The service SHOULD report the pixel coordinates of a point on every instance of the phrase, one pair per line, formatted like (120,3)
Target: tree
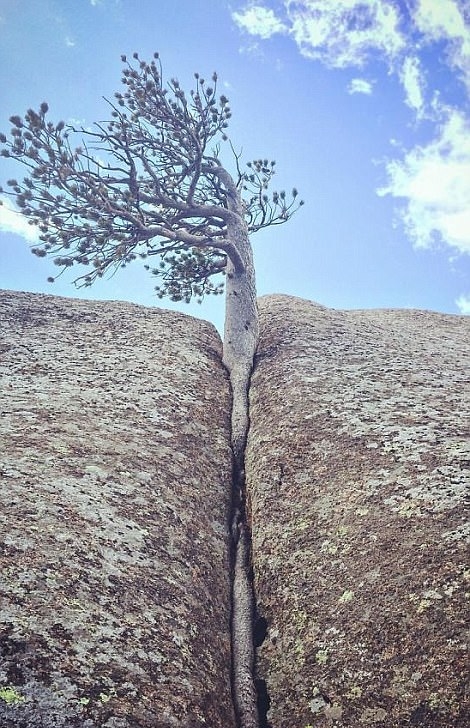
(147,183)
(150,182)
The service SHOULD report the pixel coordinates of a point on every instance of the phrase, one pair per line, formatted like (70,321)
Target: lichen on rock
(357,466)
(115,502)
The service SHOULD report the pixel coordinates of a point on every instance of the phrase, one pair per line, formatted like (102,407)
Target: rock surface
(115,470)
(357,468)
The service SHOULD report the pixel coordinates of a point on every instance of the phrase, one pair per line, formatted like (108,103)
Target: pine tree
(149,184)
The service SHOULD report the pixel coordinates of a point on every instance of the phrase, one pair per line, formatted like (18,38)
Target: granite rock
(115,469)
(357,469)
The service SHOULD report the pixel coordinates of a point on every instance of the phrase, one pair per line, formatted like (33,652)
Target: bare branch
(146,182)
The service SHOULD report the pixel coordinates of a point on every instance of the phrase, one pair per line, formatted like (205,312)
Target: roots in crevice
(249,628)
(250,698)
(243,650)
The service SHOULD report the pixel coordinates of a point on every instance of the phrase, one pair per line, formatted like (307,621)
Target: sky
(363,105)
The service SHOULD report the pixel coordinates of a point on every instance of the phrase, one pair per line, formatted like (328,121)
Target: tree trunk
(243,649)
(241,330)
(240,342)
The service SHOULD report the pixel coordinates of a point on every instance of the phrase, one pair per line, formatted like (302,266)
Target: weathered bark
(241,335)
(241,331)
(240,341)
(243,652)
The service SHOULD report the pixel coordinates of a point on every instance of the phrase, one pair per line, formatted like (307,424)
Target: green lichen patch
(11,696)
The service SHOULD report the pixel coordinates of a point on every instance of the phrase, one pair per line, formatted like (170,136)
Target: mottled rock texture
(115,468)
(357,467)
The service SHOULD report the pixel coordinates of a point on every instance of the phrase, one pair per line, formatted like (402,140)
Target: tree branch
(146,182)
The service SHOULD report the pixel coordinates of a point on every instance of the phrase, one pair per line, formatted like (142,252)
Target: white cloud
(12,221)
(463,304)
(412,79)
(345,32)
(348,33)
(440,19)
(69,42)
(444,20)
(252,49)
(435,181)
(360,86)
(260,21)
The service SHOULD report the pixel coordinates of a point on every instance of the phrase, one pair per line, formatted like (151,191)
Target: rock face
(115,498)
(357,466)
(115,471)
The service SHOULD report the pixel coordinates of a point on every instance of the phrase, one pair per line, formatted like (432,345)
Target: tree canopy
(148,182)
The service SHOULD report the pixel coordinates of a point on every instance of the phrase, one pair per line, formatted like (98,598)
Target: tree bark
(243,649)
(241,331)
(240,341)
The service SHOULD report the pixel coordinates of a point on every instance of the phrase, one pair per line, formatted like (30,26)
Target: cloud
(435,181)
(360,86)
(463,304)
(412,79)
(260,21)
(444,20)
(432,181)
(69,42)
(12,221)
(346,32)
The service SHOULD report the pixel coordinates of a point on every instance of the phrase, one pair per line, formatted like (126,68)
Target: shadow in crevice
(260,630)
(263,701)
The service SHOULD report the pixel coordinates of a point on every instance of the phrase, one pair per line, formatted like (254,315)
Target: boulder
(115,469)
(357,466)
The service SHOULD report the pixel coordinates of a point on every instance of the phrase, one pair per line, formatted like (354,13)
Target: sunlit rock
(357,467)
(115,469)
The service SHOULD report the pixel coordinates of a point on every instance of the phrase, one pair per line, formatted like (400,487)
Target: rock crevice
(243,603)
(126,562)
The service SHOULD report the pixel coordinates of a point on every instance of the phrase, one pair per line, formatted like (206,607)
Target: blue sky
(363,105)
